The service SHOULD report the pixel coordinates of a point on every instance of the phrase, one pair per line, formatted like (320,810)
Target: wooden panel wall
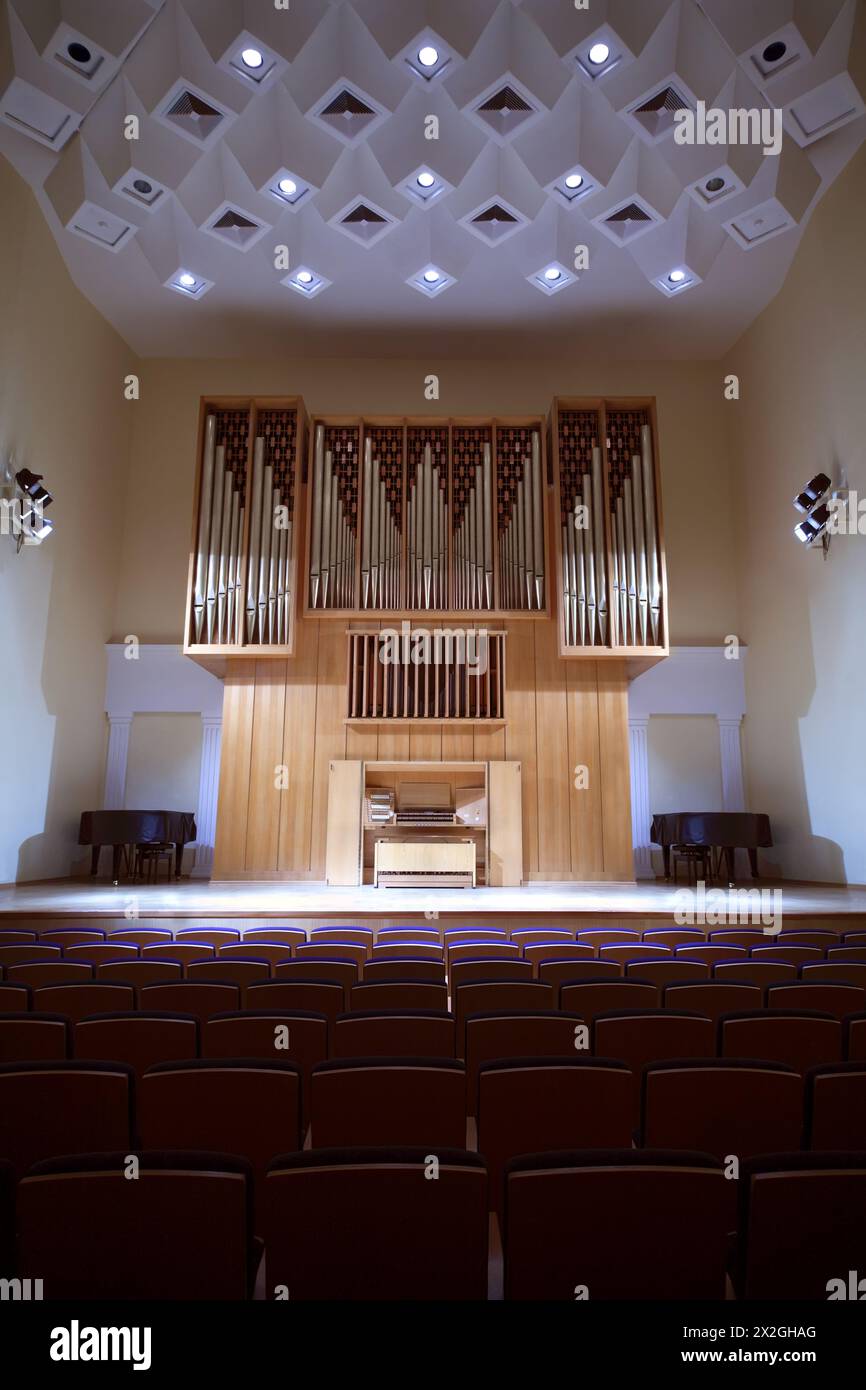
(283,724)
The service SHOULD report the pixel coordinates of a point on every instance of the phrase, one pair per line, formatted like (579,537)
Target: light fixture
(189,285)
(426,179)
(599,53)
(677,280)
(25,507)
(814,527)
(79,52)
(813,502)
(677,277)
(306,281)
(574,181)
(552,278)
(252,58)
(287,187)
(428,56)
(186,280)
(815,489)
(431,280)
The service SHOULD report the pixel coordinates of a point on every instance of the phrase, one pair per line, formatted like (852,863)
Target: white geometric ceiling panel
(225,152)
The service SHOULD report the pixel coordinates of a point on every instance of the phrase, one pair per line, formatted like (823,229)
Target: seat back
(371,996)
(667,972)
(14,998)
(62,1107)
(298,996)
(103,952)
(78,1000)
(332,950)
(141,1040)
(673,936)
(139,972)
(200,998)
(835,998)
(603,996)
(464,972)
(338,972)
(288,936)
(712,998)
(240,971)
(535,1105)
(623,1224)
(491,997)
(845,973)
(407,950)
(562,972)
(209,936)
(721,1107)
(252,949)
(596,937)
(299,1037)
(645,1036)
(49,972)
(184,951)
(357,936)
(26,954)
(542,936)
(498,1036)
(72,936)
(180,1232)
(855,1038)
(563,950)
(799,1039)
(143,936)
(345,1225)
(755,972)
(713,953)
(27,1037)
(394,1033)
(389,1101)
(381,971)
(788,955)
(640,951)
(835,1112)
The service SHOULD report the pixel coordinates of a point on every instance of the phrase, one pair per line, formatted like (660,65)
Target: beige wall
(803,410)
(696,496)
(164,762)
(62,414)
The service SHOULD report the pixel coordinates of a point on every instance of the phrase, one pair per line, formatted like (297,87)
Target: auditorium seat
(666,972)
(642,1036)
(338,972)
(14,998)
(463,972)
(286,936)
(726,936)
(76,1001)
(596,937)
(394,1033)
(532,1105)
(854,938)
(298,996)
(386,1100)
(72,936)
(787,955)
(712,953)
(835,1108)
(855,1038)
(512,1033)
(283,1034)
(846,954)
(834,972)
(618,1224)
(541,936)
(63,1107)
(143,936)
(480,950)
(417,934)
(407,950)
(141,1040)
(377,1224)
(26,954)
(561,972)
(799,1039)
(28,1037)
(404,968)
(721,1106)
(672,936)
(592,997)
(755,972)
(356,936)
(332,950)
(181,1231)
(641,951)
(7,1220)
(184,951)
(454,936)
(538,953)
(208,936)
(371,995)
(837,999)
(49,972)
(712,998)
(251,949)
(494,996)
(17,938)
(103,953)
(821,939)
(802,1224)
(248,1106)
(201,998)
(140,972)
(240,971)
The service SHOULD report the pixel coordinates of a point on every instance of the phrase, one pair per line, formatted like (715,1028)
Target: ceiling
(333,100)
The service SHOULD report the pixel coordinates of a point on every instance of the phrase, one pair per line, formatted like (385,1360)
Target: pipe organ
(385,516)
(244,556)
(416,676)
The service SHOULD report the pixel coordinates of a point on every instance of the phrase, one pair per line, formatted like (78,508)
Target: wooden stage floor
(316,901)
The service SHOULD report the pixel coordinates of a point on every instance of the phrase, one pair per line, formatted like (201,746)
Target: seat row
(397,1224)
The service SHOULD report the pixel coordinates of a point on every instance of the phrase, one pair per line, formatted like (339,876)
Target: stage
(318,902)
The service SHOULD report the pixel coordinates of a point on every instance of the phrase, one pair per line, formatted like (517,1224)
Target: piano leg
(178,858)
(729,862)
(116,852)
(666,857)
(753,863)
(94,860)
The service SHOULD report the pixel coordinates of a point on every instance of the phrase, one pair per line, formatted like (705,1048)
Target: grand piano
(122,828)
(723,831)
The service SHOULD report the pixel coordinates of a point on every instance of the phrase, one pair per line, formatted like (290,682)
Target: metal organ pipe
(204,528)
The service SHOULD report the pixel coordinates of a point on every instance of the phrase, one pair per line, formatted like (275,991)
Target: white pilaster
(208,787)
(115,766)
(640,799)
(733,792)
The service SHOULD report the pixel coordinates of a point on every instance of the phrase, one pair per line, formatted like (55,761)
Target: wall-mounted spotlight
(812,502)
(22,509)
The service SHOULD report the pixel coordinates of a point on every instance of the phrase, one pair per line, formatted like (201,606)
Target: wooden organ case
(318,542)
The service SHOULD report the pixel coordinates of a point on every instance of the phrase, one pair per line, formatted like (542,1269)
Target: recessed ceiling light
(188,281)
(599,53)
(676,277)
(574,181)
(426,180)
(143,186)
(79,52)
(553,273)
(431,276)
(304,277)
(287,186)
(774,51)
(428,56)
(715,185)
(252,58)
